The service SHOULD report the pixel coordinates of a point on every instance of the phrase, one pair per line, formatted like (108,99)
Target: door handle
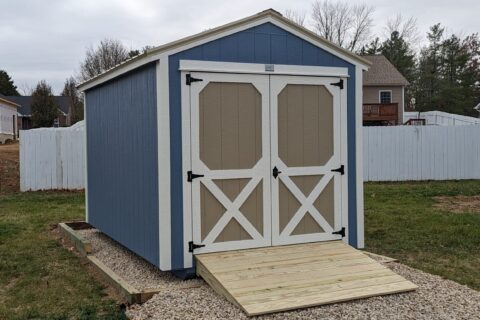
(275,172)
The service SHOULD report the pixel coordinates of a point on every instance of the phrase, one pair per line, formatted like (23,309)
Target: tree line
(444,72)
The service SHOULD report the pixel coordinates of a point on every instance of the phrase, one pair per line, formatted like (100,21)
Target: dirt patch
(9,168)
(458,204)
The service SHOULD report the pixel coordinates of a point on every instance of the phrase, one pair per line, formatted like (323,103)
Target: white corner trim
(163,151)
(359,156)
(260,68)
(85,130)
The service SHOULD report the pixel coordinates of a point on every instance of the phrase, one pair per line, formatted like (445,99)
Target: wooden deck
(273,279)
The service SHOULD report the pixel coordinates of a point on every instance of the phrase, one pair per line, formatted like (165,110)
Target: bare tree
(347,25)
(296,16)
(106,55)
(407,28)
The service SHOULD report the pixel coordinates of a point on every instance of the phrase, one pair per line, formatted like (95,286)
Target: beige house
(383,93)
(8,120)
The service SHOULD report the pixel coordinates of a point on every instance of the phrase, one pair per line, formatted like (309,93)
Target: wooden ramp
(266,280)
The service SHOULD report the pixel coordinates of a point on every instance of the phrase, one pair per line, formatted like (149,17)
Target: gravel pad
(435,298)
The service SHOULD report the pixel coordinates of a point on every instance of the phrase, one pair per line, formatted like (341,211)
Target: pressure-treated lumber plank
(83,246)
(266,280)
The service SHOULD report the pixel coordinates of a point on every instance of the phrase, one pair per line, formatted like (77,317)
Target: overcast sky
(46,39)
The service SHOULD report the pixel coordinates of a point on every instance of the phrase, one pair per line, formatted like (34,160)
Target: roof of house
(25,102)
(382,73)
(154,53)
(7,101)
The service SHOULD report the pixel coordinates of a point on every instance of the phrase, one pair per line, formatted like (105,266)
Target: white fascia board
(259,68)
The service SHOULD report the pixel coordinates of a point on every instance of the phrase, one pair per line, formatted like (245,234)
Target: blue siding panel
(123,161)
(266,43)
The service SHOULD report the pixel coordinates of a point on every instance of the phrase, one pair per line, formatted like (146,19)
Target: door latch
(275,172)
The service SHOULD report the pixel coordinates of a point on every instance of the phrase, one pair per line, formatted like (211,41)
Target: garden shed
(243,136)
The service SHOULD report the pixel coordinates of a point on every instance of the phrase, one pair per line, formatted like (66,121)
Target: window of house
(386,96)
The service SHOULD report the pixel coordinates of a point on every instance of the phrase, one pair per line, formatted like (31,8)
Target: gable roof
(24,103)
(269,15)
(382,73)
(7,101)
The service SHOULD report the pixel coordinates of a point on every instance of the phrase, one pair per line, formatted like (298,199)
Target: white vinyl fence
(52,158)
(440,118)
(421,153)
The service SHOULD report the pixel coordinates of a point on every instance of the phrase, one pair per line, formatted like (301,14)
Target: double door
(265,160)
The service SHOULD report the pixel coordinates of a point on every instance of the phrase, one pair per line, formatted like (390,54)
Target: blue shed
(242,136)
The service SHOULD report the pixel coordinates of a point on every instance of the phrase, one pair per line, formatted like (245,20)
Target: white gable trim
(155,55)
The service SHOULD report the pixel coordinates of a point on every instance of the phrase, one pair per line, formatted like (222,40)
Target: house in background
(383,93)
(8,120)
(25,111)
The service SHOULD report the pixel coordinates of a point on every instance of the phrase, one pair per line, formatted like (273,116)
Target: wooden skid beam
(81,244)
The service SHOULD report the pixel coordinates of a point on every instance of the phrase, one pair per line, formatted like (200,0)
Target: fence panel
(52,158)
(421,153)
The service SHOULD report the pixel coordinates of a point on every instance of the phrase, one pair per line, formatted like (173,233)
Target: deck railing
(387,112)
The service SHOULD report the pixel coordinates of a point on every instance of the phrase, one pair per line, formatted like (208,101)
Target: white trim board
(359,156)
(259,68)
(163,151)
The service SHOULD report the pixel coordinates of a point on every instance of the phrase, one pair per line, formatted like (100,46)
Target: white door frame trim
(260,68)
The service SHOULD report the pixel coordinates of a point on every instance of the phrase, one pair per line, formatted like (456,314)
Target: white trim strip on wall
(85,155)
(163,151)
(359,155)
(259,68)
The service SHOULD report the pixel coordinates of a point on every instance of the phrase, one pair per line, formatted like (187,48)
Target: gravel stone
(136,271)
(436,298)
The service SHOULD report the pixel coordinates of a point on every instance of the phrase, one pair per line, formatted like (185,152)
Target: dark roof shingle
(26,101)
(382,73)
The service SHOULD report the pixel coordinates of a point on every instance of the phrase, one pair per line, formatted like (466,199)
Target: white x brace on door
(268,154)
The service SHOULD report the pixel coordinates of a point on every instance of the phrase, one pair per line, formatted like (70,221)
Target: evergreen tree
(7,87)
(76,103)
(374,47)
(44,107)
(398,52)
(428,78)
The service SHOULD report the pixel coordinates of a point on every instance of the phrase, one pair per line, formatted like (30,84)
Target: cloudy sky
(46,39)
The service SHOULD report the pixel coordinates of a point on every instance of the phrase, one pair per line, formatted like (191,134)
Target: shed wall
(122,171)
(265,43)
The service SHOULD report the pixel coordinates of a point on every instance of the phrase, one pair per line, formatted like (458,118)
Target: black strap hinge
(340,169)
(192,246)
(275,172)
(338,84)
(191,176)
(340,232)
(191,79)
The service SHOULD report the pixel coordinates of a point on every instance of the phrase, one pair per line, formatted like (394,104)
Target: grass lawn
(401,221)
(39,279)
